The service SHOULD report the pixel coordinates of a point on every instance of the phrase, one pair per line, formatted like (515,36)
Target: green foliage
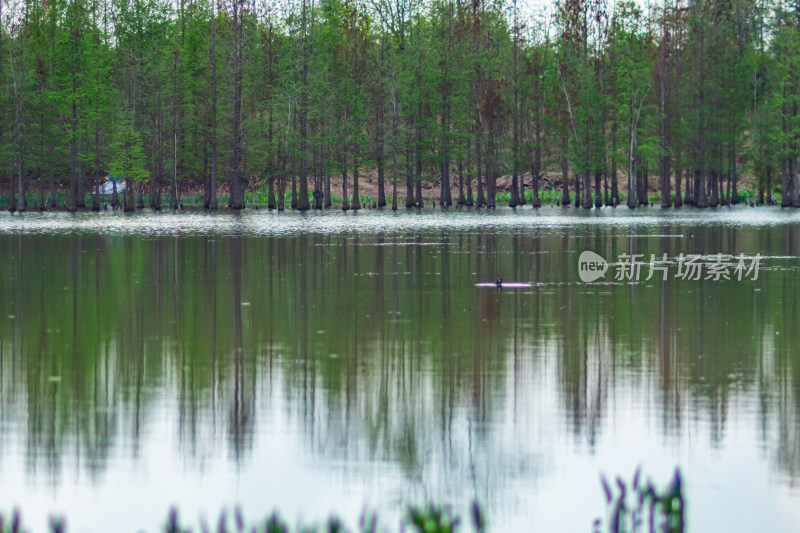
(643,506)
(94,85)
(127,157)
(430,519)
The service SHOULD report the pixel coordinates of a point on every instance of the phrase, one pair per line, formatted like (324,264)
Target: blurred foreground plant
(648,510)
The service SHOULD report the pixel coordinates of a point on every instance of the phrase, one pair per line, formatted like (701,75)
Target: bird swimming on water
(499,282)
(689,235)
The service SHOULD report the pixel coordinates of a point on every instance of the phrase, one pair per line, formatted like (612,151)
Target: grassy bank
(260,199)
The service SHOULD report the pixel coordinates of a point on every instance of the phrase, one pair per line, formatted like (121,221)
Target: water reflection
(378,353)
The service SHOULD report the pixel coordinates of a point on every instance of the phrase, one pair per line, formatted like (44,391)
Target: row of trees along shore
(577,99)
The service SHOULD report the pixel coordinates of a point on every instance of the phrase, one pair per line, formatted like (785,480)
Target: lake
(329,362)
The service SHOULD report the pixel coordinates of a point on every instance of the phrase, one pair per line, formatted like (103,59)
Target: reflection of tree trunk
(212,255)
(239,415)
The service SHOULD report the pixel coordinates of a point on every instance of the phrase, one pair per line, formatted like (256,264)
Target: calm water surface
(326,362)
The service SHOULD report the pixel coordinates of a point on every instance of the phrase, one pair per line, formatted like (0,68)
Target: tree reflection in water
(378,349)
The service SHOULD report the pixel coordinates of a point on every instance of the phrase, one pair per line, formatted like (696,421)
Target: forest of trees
(599,103)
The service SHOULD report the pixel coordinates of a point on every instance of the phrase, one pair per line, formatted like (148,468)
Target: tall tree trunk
(643,185)
(17,82)
(536,168)
(632,175)
(564,178)
(418,202)
(409,174)
(12,202)
(212,184)
(481,200)
(302,203)
(734,195)
(491,176)
(469,200)
(614,182)
(236,199)
(328,197)
(356,203)
(345,199)
(460,199)
(513,200)
(139,195)
(598,194)
(282,185)
(715,179)
(700,175)
(689,197)
(587,188)
(73,140)
(395,123)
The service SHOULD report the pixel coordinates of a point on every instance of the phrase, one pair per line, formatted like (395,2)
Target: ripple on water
(262,222)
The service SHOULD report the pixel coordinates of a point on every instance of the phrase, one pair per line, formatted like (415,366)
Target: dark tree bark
(345,199)
(282,185)
(302,203)
(212,183)
(469,200)
(614,182)
(565,201)
(409,173)
(236,199)
(481,199)
(734,193)
(598,194)
(19,131)
(395,121)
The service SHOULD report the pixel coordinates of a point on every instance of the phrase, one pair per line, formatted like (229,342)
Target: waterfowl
(499,282)
(689,235)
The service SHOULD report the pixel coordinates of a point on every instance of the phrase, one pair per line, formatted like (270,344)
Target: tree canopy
(683,99)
